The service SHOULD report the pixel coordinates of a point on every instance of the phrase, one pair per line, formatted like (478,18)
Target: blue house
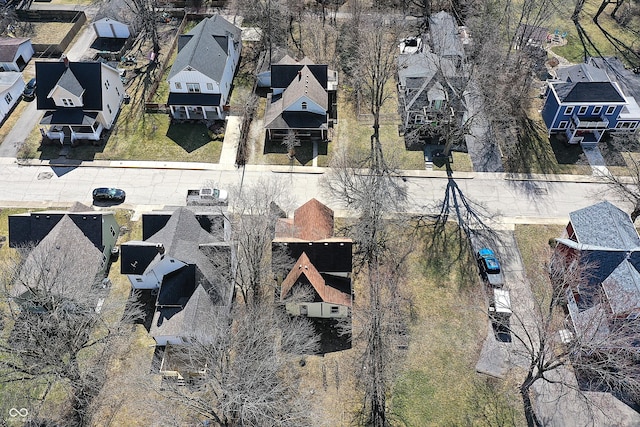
(583,104)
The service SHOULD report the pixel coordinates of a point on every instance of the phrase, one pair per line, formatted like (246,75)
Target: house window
(193,87)
(106,84)
(139,279)
(563,125)
(610,110)
(178,85)
(67,102)
(113,231)
(8,98)
(335,309)
(117,91)
(597,110)
(104,259)
(582,110)
(109,108)
(304,105)
(209,86)
(568,111)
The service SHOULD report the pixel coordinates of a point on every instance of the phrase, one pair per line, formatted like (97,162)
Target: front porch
(196,113)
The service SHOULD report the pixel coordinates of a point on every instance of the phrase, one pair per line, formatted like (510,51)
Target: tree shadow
(189,136)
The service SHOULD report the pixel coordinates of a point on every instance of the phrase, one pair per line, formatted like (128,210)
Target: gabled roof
(88,75)
(8,79)
(582,73)
(304,267)
(311,222)
(286,70)
(9,47)
(204,48)
(444,35)
(605,225)
(588,92)
(72,260)
(69,82)
(305,84)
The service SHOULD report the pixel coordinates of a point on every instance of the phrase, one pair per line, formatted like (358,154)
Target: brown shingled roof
(9,47)
(304,267)
(313,221)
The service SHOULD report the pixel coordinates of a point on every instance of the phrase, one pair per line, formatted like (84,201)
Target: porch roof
(75,116)
(197,99)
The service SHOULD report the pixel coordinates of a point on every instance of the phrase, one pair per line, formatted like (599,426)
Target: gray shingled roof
(603,224)
(206,48)
(66,256)
(582,73)
(9,47)
(69,82)
(444,35)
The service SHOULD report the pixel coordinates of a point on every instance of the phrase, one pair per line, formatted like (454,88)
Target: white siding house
(110,28)
(202,75)
(14,53)
(80,99)
(11,86)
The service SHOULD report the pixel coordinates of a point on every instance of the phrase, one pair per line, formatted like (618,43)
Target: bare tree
(602,351)
(249,373)
(255,211)
(63,325)
(626,188)
(146,13)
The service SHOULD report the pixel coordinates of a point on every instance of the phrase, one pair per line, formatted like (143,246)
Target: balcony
(599,122)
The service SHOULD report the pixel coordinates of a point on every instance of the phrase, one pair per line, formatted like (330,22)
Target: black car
(29,91)
(108,195)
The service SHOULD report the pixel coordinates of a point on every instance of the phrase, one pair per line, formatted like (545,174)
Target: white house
(11,86)
(80,99)
(110,28)
(201,76)
(14,53)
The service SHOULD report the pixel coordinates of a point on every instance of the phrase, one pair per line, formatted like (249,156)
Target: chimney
(160,248)
(65,60)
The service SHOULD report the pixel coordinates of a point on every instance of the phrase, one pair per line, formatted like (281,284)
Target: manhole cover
(45,175)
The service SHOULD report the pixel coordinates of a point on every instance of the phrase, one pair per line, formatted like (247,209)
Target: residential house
(322,270)
(201,77)
(583,104)
(185,259)
(79,99)
(111,29)
(99,227)
(15,53)
(424,92)
(11,87)
(603,239)
(302,100)
(65,261)
(447,38)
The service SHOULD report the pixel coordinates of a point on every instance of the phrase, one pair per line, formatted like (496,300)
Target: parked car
(490,267)
(206,196)
(29,91)
(108,194)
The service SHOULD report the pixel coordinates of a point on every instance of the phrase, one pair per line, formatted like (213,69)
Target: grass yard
(44,32)
(602,37)
(438,385)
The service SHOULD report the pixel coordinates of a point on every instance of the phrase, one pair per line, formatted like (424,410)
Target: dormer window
(193,87)
(67,102)
(304,105)
(106,84)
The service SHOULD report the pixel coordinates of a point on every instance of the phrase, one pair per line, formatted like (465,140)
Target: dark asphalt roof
(298,120)
(211,222)
(204,48)
(88,75)
(327,257)
(69,116)
(588,92)
(616,70)
(283,74)
(208,99)
(135,256)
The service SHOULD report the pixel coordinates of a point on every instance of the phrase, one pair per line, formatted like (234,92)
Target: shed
(110,28)
(15,52)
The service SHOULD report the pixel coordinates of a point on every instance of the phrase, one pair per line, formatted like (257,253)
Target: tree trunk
(636,212)
(529,413)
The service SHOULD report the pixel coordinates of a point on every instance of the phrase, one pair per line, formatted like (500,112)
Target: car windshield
(492,265)
(216,193)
